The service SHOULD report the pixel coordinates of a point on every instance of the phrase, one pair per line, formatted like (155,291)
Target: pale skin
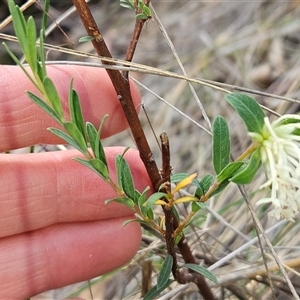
(54,226)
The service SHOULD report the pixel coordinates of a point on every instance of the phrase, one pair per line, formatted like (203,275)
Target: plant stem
(122,88)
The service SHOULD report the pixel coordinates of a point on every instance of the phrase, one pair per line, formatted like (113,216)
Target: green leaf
(220,188)
(125,180)
(152,199)
(65,137)
(43,105)
(142,199)
(31,54)
(150,214)
(53,97)
(75,110)
(123,200)
(45,13)
(154,292)
(179,177)
(134,220)
(175,212)
(18,63)
(87,38)
(100,167)
(203,185)
(229,170)
(249,111)
(201,270)
(19,24)
(221,144)
(291,121)
(141,17)
(95,167)
(197,206)
(246,175)
(96,144)
(77,136)
(145,9)
(165,272)
(127,4)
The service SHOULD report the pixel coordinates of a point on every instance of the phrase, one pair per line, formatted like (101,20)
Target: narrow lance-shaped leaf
(77,137)
(86,39)
(53,97)
(41,55)
(179,177)
(154,292)
(197,206)
(65,137)
(99,147)
(248,109)
(122,200)
(31,54)
(100,167)
(43,105)
(19,24)
(229,170)
(45,13)
(125,180)
(221,144)
(75,110)
(246,175)
(127,4)
(201,270)
(165,272)
(152,199)
(87,163)
(203,185)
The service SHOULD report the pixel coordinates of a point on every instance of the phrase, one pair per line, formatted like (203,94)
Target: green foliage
(201,270)
(127,4)
(52,95)
(75,110)
(196,206)
(86,39)
(124,176)
(146,12)
(165,272)
(154,292)
(229,170)
(152,199)
(143,12)
(43,105)
(203,185)
(221,144)
(96,166)
(247,174)
(122,200)
(249,111)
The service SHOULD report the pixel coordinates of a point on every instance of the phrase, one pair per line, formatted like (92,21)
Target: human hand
(54,226)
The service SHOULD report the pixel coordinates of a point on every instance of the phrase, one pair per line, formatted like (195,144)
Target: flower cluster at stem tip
(279,146)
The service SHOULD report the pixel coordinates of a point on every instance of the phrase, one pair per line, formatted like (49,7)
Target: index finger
(23,124)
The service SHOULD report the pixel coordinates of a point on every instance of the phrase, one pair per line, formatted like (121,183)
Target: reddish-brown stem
(122,88)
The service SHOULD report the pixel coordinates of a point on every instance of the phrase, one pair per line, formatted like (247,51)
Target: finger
(39,190)
(63,254)
(23,124)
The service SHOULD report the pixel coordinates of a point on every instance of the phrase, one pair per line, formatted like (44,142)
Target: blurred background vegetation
(250,44)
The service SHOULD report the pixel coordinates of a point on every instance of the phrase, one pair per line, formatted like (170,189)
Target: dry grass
(252,44)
